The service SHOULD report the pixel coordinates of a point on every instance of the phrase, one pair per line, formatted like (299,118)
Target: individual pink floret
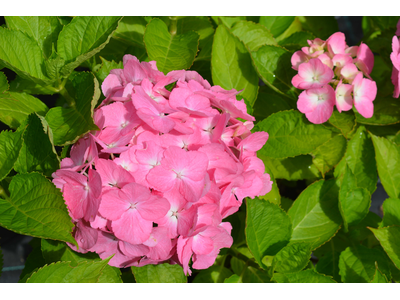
(395,58)
(364,92)
(317,104)
(365,59)
(344,99)
(313,74)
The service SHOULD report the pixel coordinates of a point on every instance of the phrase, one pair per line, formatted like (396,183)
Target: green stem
(173,25)
(240,256)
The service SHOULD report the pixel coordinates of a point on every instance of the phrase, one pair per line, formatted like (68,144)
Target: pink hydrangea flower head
(155,183)
(313,74)
(317,104)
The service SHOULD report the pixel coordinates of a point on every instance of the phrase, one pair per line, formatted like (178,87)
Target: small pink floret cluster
(166,168)
(331,73)
(395,58)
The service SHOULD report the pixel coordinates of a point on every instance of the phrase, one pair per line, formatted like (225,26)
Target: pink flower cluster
(331,73)
(395,58)
(155,183)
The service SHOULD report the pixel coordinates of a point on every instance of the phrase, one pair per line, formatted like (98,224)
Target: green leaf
(388,163)
(10,145)
(54,251)
(214,274)
(162,273)
(228,21)
(171,51)
(357,264)
(291,168)
(231,65)
(63,272)
(253,35)
(378,276)
(391,212)
(386,112)
(273,65)
(22,85)
(329,265)
(321,27)
(315,214)
(306,276)
(3,83)
(22,54)
(233,279)
(44,30)
(328,155)
(36,208)
(37,152)
(344,121)
(276,24)
(360,157)
(248,274)
(273,196)
(204,28)
(389,237)
(291,134)
(131,30)
(292,258)
(354,201)
(268,228)
(15,108)
(297,40)
(69,123)
(269,102)
(53,65)
(82,38)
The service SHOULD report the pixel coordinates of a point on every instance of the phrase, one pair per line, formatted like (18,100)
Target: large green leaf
(386,112)
(54,251)
(63,272)
(389,237)
(204,28)
(354,201)
(357,264)
(291,168)
(69,123)
(22,54)
(276,24)
(131,30)
(214,274)
(10,145)
(388,163)
(269,102)
(360,157)
(43,29)
(268,228)
(306,276)
(162,273)
(329,264)
(391,212)
(344,121)
(37,152)
(36,207)
(170,50)
(15,108)
(82,38)
(291,134)
(315,214)
(253,35)
(329,154)
(292,258)
(275,69)
(231,65)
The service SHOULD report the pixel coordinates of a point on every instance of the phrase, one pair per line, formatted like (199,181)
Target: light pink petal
(161,179)
(364,106)
(153,208)
(133,250)
(344,99)
(298,58)
(112,206)
(109,83)
(365,59)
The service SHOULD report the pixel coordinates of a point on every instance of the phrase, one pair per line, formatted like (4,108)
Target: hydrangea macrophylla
(331,73)
(165,169)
